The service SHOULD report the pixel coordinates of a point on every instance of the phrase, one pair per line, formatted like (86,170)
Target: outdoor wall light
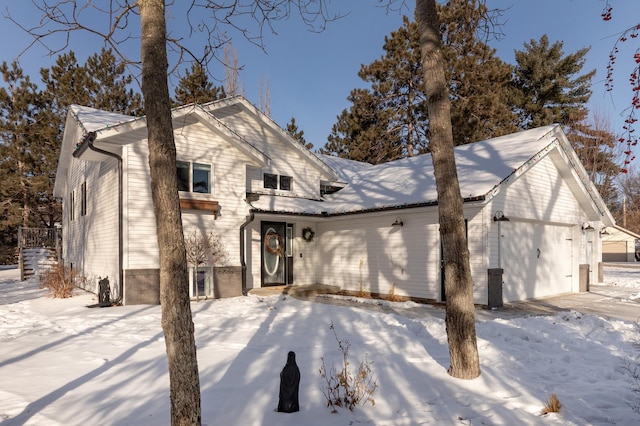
(587,227)
(398,222)
(500,217)
(604,231)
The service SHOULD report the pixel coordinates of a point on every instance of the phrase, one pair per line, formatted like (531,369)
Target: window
(201,178)
(201,282)
(182,168)
(83,199)
(285,183)
(193,177)
(270,181)
(72,206)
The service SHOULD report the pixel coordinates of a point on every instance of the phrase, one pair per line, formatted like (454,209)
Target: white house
(290,217)
(619,244)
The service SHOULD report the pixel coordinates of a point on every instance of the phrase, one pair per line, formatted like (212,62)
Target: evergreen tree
(19,107)
(31,126)
(598,150)
(195,87)
(548,85)
(479,82)
(110,85)
(361,132)
(297,134)
(390,120)
(387,121)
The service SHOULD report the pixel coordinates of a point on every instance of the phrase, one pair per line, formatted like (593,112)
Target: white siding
(194,143)
(286,160)
(543,214)
(540,194)
(91,241)
(367,253)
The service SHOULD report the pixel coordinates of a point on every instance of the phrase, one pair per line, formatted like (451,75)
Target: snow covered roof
(346,169)
(91,119)
(482,167)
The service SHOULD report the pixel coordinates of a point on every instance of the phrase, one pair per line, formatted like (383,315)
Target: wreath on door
(307,234)
(278,247)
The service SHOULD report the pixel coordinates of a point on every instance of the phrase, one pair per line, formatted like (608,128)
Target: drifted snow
(64,364)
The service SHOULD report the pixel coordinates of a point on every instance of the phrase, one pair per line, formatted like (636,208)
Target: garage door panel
(536,260)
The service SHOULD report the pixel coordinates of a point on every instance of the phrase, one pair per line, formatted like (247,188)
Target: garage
(536,259)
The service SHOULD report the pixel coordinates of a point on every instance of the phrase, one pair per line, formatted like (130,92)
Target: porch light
(500,217)
(604,231)
(398,222)
(587,227)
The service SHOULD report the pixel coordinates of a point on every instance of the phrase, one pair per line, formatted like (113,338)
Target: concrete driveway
(604,301)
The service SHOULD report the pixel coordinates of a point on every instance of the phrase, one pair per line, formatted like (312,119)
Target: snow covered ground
(62,363)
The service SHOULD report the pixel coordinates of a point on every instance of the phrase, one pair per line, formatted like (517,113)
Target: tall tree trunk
(460,313)
(177,322)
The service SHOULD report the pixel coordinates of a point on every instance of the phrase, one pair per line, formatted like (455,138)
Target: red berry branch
(628,137)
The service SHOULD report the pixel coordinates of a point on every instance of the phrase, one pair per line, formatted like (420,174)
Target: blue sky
(311,74)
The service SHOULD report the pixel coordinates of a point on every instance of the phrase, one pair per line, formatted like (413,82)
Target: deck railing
(39,237)
(36,238)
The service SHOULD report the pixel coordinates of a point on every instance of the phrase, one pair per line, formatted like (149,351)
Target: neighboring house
(618,244)
(289,217)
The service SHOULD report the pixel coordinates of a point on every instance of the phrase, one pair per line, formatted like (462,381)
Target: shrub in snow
(553,405)
(59,280)
(346,388)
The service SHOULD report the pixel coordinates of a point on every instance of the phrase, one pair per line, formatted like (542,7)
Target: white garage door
(536,260)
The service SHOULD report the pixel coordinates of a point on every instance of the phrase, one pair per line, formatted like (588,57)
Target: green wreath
(307,234)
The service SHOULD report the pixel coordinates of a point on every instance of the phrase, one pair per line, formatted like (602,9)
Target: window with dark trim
(182,170)
(193,177)
(285,183)
(72,206)
(83,199)
(201,178)
(270,181)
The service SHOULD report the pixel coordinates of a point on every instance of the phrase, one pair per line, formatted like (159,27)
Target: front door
(274,253)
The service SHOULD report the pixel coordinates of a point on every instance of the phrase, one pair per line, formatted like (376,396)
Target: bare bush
(553,405)
(60,280)
(346,388)
(204,248)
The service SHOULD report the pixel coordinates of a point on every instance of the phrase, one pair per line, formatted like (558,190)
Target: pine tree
(598,150)
(548,85)
(195,87)
(20,104)
(297,134)
(389,120)
(481,96)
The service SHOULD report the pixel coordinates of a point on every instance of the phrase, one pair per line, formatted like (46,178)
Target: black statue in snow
(289,385)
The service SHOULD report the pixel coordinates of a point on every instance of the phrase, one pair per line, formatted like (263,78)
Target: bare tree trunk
(460,314)
(177,322)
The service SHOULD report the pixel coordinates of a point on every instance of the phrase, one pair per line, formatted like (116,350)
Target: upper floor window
(194,177)
(285,183)
(271,181)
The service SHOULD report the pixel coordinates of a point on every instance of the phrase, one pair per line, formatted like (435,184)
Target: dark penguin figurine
(289,385)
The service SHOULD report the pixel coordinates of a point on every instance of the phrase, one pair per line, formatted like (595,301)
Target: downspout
(243,263)
(91,137)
